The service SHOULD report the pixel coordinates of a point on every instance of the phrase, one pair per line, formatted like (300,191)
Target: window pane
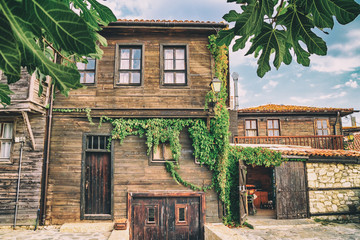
(270,125)
(180,77)
(167,153)
(276,133)
(180,53)
(90,142)
(253,124)
(96,142)
(169,78)
(180,64)
(324,124)
(90,77)
(80,66)
(124,64)
(319,124)
(270,133)
(181,214)
(82,77)
(8,129)
(325,132)
(91,64)
(5,149)
(251,133)
(319,132)
(124,78)
(125,53)
(276,124)
(135,64)
(151,215)
(158,154)
(168,54)
(136,54)
(169,64)
(135,77)
(247,124)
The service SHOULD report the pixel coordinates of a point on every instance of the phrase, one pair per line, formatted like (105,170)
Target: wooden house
(150,69)
(22,125)
(313,137)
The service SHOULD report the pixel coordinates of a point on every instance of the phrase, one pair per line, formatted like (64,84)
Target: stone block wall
(334,188)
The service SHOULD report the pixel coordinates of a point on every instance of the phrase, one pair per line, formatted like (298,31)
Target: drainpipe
(18,184)
(45,177)
(235,77)
(337,119)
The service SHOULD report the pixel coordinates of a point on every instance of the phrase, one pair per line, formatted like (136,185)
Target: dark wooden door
(165,218)
(242,192)
(291,199)
(97,183)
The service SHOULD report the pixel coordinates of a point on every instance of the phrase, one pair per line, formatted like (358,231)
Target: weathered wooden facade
(22,146)
(150,69)
(291,125)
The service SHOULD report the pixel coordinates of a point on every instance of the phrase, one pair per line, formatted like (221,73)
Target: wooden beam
(28,127)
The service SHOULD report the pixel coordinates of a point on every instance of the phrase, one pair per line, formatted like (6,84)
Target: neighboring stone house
(22,136)
(319,174)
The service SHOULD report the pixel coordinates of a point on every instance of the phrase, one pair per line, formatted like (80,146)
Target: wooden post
(28,127)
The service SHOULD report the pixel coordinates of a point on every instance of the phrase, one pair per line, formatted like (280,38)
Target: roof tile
(275,108)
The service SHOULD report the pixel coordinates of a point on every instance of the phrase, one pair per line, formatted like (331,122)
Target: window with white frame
(6,140)
(129,66)
(251,127)
(273,127)
(174,70)
(87,71)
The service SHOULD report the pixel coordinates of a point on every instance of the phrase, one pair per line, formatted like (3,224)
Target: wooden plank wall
(32,162)
(151,94)
(289,125)
(131,171)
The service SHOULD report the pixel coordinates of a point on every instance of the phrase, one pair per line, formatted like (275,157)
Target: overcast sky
(330,81)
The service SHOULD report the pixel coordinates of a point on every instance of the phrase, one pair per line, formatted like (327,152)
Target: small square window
(181,212)
(273,127)
(322,127)
(162,153)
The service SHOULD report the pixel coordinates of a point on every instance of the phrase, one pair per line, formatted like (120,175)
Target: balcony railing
(321,142)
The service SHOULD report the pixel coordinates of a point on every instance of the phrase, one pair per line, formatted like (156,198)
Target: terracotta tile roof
(168,23)
(302,151)
(275,108)
(163,21)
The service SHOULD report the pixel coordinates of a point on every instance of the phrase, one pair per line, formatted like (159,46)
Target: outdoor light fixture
(215,85)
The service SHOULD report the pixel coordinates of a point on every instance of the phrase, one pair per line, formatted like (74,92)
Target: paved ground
(265,229)
(50,233)
(304,229)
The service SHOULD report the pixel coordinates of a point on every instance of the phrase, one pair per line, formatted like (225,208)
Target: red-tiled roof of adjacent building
(302,151)
(276,108)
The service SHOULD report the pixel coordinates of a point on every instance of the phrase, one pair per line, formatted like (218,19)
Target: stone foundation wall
(334,188)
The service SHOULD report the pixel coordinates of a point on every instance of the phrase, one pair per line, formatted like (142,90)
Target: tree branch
(58,52)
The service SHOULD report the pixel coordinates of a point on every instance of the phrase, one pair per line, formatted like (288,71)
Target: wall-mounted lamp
(215,85)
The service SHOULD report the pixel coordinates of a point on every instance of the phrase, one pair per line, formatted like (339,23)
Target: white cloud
(337,86)
(312,85)
(351,83)
(332,96)
(335,65)
(352,44)
(270,85)
(298,75)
